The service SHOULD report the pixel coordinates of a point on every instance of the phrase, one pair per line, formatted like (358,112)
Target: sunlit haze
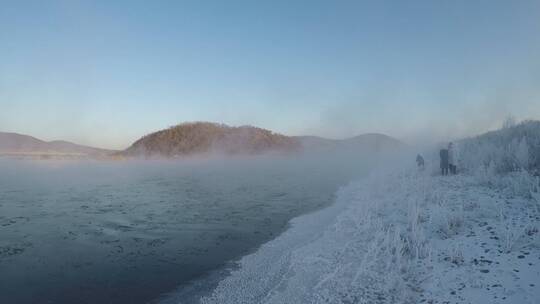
(105,73)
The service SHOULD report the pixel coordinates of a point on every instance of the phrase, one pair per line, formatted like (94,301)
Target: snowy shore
(407,237)
(410,236)
(487,249)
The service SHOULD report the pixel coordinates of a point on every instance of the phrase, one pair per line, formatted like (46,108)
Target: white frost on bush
(510,149)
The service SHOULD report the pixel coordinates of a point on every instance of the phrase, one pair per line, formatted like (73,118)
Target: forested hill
(210,138)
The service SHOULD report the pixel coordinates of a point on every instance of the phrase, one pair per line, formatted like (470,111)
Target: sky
(104,73)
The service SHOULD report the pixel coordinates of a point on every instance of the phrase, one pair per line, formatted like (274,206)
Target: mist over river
(130,232)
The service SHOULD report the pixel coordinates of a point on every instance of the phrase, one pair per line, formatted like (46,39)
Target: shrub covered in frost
(507,158)
(509,149)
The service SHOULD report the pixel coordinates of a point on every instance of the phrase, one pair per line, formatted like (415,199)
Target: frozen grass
(399,238)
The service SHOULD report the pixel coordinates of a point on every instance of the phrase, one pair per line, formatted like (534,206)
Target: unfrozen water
(130,232)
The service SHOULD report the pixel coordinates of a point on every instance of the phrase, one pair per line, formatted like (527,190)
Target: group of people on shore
(448,160)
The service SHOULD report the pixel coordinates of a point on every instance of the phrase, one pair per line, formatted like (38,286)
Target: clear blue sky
(106,72)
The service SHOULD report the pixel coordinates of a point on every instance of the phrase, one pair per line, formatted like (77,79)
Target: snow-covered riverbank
(400,238)
(487,250)
(409,236)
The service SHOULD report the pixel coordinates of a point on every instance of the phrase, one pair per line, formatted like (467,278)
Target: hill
(23,145)
(196,138)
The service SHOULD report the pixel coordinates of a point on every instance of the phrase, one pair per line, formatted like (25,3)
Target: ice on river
(127,232)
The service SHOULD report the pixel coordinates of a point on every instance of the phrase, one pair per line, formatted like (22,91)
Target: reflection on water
(98,232)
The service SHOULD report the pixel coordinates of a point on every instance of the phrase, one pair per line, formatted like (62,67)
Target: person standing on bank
(420,162)
(452,165)
(444,161)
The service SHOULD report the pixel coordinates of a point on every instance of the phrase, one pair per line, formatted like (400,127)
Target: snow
(402,237)
(492,256)
(409,236)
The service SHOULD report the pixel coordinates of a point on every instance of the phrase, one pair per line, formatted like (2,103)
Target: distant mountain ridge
(19,144)
(369,142)
(199,138)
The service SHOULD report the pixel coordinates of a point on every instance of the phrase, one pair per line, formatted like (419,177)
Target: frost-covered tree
(509,122)
(510,149)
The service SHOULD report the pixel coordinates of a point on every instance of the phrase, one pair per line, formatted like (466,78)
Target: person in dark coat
(452,161)
(420,162)
(444,161)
